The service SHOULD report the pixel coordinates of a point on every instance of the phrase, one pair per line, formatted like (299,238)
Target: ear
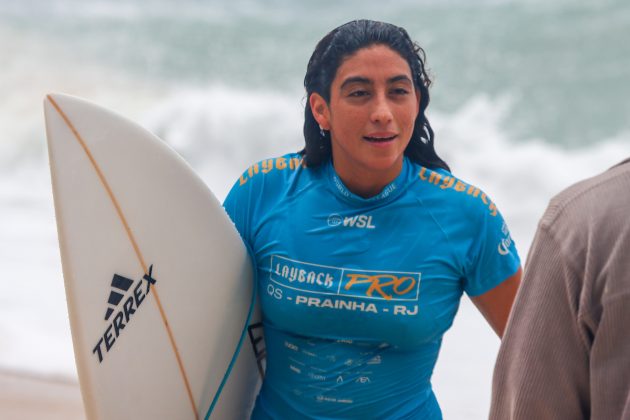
(320,110)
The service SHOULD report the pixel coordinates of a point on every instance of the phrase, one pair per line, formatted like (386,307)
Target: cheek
(408,119)
(348,120)
(415,110)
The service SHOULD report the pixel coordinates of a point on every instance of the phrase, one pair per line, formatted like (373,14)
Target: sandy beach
(26,396)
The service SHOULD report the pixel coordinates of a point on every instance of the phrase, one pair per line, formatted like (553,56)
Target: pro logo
(120,285)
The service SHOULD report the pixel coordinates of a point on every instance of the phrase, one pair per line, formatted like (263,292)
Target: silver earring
(425,139)
(322,132)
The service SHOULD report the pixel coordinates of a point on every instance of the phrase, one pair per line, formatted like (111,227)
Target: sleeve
(542,370)
(239,205)
(492,256)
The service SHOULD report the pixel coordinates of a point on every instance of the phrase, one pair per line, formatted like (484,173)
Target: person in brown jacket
(566,351)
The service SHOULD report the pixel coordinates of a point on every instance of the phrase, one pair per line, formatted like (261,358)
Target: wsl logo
(360,221)
(334,220)
(120,285)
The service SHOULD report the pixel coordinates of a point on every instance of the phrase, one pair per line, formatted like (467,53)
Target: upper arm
(495,304)
(239,206)
(493,268)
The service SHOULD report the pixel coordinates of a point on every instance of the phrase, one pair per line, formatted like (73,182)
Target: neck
(367,183)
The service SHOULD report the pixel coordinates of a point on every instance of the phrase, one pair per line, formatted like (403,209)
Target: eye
(359,93)
(400,91)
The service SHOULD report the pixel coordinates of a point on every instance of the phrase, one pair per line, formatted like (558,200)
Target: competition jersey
(357,293)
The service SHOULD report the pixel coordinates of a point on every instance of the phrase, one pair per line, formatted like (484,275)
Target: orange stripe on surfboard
(132,239)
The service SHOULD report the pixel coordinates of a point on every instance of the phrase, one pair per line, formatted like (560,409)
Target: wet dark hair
(329,54)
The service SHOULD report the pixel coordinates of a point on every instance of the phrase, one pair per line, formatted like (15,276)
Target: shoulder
(442,186)
(592,199)
(473,226)
(588,220)
(260,187)
(272,180)
(272,169)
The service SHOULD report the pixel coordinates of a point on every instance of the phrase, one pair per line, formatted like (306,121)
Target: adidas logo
(120,285)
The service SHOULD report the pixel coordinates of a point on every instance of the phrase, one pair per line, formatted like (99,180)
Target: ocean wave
(520,176)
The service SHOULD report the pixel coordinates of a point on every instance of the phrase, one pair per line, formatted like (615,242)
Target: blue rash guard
(357,293)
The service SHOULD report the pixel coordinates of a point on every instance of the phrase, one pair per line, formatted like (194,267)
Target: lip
(380,137)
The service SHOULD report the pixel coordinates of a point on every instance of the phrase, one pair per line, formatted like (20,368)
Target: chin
(384,163)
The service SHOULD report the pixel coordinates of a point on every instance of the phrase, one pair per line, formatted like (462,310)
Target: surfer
(369,206)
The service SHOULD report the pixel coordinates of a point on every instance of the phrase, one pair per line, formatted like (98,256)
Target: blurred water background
(528,97)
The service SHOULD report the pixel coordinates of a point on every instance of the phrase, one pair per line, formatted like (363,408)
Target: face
(371,114)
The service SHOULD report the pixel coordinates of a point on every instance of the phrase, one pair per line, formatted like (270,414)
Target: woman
(364,241)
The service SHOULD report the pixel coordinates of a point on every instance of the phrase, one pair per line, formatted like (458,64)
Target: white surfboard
(158,282)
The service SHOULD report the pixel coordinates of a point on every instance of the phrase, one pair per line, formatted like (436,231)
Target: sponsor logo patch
(361,221)
(124,305)
(504,246)
(334,220)
(339,281)
(257,340)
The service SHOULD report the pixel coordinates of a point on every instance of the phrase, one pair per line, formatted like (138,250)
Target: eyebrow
(365,80)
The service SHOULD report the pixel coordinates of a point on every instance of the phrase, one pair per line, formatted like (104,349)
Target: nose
(381,112)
